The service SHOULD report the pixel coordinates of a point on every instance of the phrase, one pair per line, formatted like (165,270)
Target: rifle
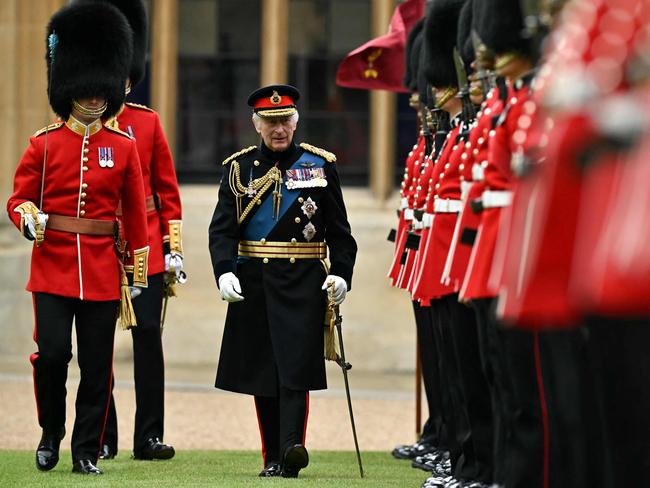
(337,320)
(469,113)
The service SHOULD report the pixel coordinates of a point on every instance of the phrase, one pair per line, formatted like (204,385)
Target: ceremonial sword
(345,366)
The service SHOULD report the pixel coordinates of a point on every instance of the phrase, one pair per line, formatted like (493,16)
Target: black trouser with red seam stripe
(95,330)
(148,369)
(282,421)
(434,430)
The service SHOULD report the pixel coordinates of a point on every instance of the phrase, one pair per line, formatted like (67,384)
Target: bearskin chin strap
(89,112)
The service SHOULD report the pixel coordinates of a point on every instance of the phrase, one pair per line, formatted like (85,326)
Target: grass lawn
(215,469)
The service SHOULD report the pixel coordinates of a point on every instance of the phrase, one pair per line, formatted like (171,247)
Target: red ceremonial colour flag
(379,63)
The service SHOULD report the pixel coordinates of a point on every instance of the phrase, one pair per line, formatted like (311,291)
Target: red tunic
(498,177)
(79,265)
(158,174)
(468,221)
(412,172)
(563,207)
(414,256)
(435,244)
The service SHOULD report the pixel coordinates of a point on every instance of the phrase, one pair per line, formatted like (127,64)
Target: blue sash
(262,222)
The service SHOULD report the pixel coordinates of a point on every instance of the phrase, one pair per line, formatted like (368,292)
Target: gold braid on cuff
(176,236)
(30,208)
(141,264)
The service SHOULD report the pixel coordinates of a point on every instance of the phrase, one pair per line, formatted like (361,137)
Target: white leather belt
(447,206)
(495,199)
(404,203)
(408,214)
(427,220)
(417,225)
(477,172)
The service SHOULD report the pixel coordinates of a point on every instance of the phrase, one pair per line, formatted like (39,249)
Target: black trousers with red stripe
(434,430)
(148,369)
(95,330)
(524,410)
(619,350)
(282,421)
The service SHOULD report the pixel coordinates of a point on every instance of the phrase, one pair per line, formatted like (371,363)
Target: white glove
(30,226)
(136,291)
(427,220)
(230,288)
(174,265)
(340,288)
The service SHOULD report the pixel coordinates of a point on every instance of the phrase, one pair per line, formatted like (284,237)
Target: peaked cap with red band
(274,101)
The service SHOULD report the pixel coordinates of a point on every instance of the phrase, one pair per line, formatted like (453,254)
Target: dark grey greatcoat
(275,336)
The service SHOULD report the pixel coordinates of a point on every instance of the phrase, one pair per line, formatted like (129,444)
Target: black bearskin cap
(420,79)
(502,32)
(92,56)
(136,14)
(464,38)
(440,31)
(410,69)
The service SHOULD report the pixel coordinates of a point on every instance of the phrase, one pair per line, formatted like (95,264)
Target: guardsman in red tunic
(579,237)
(468,415)
(433,433)
(516,374)
(165,257)
(67,188)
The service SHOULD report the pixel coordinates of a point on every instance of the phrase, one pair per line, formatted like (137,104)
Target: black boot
(295,458)
(270,470)
(154,449)
(85,466)
(47,452)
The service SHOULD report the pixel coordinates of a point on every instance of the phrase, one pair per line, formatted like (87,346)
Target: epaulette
(239,153)
(54,126)
(326,155)
(141,107)
(113,128)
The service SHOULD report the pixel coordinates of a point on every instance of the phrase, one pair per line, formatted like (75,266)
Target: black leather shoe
(85,466)
(295,458)
(154,449)
(428,461)
(107,452)
(47,452)
(270,470)
(410,451)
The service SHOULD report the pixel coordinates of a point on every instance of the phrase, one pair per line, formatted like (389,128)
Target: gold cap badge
(275,98)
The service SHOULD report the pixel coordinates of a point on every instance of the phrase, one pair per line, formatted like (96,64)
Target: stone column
(164,64)
(274,51)
(383,111)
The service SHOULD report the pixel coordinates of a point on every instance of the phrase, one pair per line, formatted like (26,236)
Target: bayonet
(484,58)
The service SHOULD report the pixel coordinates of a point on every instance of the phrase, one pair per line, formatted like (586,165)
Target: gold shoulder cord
(255,189)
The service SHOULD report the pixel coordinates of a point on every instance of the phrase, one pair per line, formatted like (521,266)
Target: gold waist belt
(283,250)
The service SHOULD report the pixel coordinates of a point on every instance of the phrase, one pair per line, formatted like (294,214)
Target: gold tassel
(331,354)
(126,318)
(330,340)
